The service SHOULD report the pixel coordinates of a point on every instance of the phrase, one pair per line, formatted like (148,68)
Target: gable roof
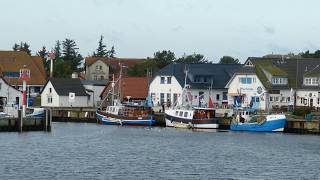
(64,86)
(292,68)
(135,87)
(13,61)
(113,63)
(220,73)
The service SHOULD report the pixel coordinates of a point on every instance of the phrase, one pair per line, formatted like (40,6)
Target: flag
(210,103)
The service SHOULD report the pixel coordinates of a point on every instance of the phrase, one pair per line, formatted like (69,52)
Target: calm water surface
(90,151)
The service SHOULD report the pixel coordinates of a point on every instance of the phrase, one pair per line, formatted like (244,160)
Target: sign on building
(72,97)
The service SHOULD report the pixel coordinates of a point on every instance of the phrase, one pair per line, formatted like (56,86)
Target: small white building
(96,88)
(247,87)
(65,93)
(203,80)
(10,98)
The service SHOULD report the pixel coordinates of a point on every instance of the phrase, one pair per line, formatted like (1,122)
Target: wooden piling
(20,121)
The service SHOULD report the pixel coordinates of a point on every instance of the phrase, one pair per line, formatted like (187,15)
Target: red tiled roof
(13,61)
(135,87)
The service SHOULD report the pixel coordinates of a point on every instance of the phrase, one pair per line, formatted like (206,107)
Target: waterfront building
(65,93)
(96,87)
(10,64)
(284,82)
(246,86)
(102,68)
(10,98)
(203,81)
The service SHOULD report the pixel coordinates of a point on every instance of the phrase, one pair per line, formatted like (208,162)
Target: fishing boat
(129,113)
(126,114)
(186,116)
(202,118)
(37,113)
(248,120)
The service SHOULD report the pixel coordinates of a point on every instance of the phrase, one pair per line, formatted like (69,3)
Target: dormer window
(279,81)
(311,81)
(162,79)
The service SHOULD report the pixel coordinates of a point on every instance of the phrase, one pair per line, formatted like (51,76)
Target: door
(201,96)
(311,102)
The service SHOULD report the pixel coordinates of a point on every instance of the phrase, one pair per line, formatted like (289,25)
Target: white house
(282,83)
(203,80)
(10,98)
(96,87)
(65,93)
(247,87)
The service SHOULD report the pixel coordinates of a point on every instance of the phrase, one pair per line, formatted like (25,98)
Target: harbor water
(92,151)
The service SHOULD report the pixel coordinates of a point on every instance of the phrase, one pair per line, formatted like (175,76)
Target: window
(49,99)
(283,99)
(97,67)
(318,100)
(311,81)
(276,99)
(168,98)
(301,100)
(168,80)
(279,81)
(185,114)
(218,97)
(50,90)
(288,99)
(225,96)
(162,80)
(0,86)
(101,77)
(95,77)
(245,80)
(181,113)
(161,98)
(177,113)
(271,98)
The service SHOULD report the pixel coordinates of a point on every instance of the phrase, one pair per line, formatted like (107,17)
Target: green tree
(163,58)
(112,52)
(43,54)
(16,47)
(141,69)
(62,69)
(57,49)
(192,59)
(22,47)
(228,60)
(101,50)
(70,54)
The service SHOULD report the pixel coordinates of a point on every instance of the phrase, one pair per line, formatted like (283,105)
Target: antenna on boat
(112,85)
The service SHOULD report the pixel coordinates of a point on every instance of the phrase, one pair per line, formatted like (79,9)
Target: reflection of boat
(246,120)
(35,113)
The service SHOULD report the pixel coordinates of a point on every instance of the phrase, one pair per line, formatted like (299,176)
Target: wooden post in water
(50,120)
(20,121)
(46,115)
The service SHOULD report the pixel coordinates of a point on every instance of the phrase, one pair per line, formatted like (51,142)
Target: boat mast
(112,85)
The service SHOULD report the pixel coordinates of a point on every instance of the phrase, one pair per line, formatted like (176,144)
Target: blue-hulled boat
(247,121)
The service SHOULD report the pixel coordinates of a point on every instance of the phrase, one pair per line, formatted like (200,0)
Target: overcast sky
(138,28)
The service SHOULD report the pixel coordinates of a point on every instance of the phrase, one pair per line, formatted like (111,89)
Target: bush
(301,111)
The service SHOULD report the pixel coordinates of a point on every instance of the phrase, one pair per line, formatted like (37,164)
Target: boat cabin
(129,111)
(204,113)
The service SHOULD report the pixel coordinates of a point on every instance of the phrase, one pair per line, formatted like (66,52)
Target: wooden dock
(20,124)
